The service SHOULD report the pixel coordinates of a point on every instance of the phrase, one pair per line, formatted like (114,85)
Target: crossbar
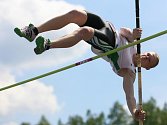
(86,60)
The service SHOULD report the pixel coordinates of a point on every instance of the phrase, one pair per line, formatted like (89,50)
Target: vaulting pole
(139,60)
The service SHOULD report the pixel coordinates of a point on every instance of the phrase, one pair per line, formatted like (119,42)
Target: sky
(72,92)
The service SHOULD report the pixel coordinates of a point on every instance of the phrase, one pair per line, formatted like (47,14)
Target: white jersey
(125,56)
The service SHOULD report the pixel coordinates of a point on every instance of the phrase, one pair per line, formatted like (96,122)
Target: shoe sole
(40,43)
(19,33)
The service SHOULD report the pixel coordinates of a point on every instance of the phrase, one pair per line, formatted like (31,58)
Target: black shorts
(104,34)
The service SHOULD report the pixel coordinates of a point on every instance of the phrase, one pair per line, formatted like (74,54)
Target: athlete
(102,37)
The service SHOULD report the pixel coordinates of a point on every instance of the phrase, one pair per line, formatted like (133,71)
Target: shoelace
(27,31)
(47,44)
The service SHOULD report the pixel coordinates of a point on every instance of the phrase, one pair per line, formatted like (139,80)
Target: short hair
(157,59)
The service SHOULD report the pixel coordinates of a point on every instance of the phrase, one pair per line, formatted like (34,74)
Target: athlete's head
(148,60)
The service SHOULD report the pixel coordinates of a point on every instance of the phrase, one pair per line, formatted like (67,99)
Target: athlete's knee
(78,16)
(85,33)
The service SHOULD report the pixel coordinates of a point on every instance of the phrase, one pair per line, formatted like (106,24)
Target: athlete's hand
(137,32)
(140,115)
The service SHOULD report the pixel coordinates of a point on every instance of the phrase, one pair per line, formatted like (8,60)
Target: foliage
(43,121)
(117,116)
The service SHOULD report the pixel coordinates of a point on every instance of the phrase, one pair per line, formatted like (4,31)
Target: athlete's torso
(125,56)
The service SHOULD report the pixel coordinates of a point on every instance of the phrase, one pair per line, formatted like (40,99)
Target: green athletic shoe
(27,32)
(42,45)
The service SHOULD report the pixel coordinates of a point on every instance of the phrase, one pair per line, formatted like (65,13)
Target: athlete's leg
(78,17)
(30,32)
(94,21)
(102,30)
(83,33)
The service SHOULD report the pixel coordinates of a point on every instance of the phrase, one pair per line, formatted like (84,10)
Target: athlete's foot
(28,32)
(42,45)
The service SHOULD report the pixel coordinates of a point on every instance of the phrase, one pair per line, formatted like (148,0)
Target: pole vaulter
(86,60)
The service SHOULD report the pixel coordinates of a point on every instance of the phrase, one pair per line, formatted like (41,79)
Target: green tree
(118,115)
(93,119)
(155,115)
(24,123)
(60,122)
(76,120)
(164,115)
(43,121)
